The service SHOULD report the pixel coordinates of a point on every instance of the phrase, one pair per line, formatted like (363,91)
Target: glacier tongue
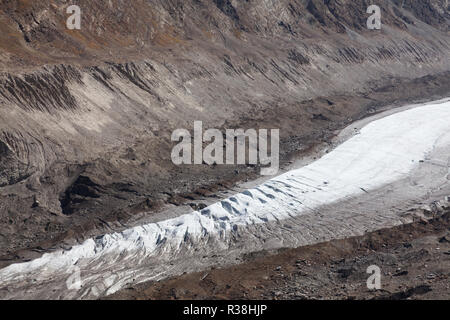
(385,151)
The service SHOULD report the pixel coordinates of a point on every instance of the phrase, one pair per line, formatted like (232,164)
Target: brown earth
(414,260)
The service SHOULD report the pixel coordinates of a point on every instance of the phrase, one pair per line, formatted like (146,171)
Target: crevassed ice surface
(385,150)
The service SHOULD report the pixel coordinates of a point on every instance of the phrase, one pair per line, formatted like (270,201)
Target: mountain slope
(86,115)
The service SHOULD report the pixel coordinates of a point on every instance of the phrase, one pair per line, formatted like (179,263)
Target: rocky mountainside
(86,115)
(35,33)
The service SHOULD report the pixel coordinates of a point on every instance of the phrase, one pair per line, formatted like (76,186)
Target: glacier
(383,151)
